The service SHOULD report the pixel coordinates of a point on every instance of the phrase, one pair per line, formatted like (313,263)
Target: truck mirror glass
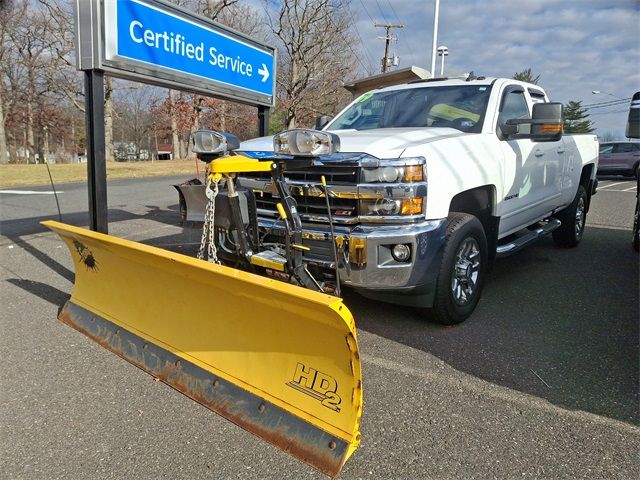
(633,122)
(549,112)
(321,121)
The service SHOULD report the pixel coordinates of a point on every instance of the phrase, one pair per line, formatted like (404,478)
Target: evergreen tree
(576,118)
(526,76)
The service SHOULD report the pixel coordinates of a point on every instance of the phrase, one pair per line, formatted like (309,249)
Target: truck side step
(525,240)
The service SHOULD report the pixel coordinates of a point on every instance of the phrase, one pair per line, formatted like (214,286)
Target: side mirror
(209,144)
(321,121)
(633,122)
(544,126)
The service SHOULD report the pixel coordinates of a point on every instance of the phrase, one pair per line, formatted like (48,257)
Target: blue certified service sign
(161,40)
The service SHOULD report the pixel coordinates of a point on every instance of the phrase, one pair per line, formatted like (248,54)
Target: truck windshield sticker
(365,97)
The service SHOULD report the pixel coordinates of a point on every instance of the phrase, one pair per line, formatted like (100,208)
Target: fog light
(401,252)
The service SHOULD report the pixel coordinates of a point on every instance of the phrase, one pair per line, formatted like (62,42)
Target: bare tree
(31,37)
(7,54)
(62,73)
(135,119)
(316,40)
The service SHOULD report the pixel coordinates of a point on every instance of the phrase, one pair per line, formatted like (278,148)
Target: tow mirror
(633,122)
(321,121)
(544,126)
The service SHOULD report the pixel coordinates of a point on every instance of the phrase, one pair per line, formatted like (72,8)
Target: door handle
(538,152)
(560,150)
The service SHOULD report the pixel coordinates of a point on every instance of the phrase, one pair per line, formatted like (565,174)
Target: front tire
(462,271)
(573,218)
(636,219)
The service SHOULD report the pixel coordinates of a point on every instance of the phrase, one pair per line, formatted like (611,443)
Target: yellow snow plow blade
(278,360)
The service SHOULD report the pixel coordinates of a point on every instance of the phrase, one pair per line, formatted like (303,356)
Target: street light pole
(598,92)
(442,52)
(436,13)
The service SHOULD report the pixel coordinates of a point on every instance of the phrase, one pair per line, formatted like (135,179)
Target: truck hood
(379,142)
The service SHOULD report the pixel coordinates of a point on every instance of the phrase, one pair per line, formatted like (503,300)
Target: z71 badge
(317,385)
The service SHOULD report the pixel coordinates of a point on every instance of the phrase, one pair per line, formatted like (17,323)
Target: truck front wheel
(463,268)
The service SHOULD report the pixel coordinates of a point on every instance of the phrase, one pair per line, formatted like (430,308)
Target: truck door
(555,162)
(523,195)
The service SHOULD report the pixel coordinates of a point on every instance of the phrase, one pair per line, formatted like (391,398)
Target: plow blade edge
(278,360)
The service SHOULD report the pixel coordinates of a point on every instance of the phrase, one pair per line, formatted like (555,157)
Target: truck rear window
(461,107)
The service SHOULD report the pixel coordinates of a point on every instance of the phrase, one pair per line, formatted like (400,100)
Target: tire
(462,271)
(573,218)
(636,220)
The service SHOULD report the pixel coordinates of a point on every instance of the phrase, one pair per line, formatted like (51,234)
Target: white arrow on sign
(264,72)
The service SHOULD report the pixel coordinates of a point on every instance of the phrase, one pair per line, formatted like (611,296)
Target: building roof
(396,77)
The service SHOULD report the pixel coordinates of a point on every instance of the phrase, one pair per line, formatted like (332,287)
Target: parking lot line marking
(608,227)
(612,185)
(27,192)
(632,189)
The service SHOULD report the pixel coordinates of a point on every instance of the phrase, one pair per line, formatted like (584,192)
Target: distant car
(619,158)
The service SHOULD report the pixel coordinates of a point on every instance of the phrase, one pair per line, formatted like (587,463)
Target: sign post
(96,162)
(156,42)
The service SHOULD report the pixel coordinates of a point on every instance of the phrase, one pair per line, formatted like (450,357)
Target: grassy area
(22,175)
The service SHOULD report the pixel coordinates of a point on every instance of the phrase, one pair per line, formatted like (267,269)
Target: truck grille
(333,175)
(312,209)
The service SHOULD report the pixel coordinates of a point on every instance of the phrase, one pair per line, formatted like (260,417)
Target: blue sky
(576,46)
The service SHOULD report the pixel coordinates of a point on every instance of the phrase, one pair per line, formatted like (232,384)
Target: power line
(393,10)
(606,113)
(367,12)
(381,12)
(364,49)
(346,41)
(605,104)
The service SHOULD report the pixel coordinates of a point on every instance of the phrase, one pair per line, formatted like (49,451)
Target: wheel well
(480,202)
(585,176)
(586,180)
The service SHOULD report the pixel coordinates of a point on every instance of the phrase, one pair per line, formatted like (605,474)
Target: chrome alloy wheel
(466,271)
(580,217)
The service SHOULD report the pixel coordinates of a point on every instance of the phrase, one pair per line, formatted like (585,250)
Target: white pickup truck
(432,181)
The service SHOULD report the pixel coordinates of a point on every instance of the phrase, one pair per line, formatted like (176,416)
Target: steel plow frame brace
(279,360)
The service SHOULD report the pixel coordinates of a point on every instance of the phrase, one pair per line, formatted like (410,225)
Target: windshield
(461,107)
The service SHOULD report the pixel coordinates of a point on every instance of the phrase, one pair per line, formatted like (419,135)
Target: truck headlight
(306,142)
(393,174)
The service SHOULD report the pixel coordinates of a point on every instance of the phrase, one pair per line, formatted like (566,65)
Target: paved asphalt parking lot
(541,382)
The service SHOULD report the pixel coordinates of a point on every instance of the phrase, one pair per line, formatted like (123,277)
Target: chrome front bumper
(365,259)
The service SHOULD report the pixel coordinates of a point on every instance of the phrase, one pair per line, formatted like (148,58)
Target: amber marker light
(551,128)
(413,173)
(411,206)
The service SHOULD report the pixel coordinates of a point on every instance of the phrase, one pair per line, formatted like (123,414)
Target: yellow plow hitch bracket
(238,164)
(278,360)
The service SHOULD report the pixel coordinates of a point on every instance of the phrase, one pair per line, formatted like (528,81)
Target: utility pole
(436,14)
(388,37)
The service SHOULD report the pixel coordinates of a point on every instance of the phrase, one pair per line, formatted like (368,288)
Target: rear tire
(573,218)
(462,271)
(636,219)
